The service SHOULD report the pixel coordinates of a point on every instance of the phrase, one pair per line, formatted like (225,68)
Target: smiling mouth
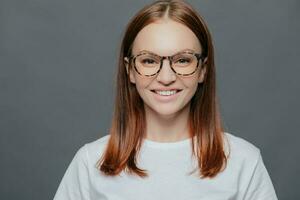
(166,92)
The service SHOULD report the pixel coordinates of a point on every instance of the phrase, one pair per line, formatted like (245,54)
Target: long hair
(128,123)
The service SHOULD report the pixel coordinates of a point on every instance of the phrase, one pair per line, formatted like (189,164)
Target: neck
(167,128)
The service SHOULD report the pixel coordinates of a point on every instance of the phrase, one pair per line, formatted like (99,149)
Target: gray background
(58,64)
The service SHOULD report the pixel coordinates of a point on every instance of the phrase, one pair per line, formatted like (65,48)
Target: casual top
(168,165)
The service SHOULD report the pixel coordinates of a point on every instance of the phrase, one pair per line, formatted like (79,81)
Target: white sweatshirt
(168,165)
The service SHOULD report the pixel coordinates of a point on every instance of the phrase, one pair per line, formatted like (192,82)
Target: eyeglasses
(183,63)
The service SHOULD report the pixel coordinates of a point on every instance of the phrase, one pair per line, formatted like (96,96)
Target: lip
(166,99)
(165,89)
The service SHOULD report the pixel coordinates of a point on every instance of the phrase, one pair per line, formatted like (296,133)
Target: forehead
(165,37)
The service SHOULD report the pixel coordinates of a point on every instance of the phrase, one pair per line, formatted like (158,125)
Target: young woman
(166,140)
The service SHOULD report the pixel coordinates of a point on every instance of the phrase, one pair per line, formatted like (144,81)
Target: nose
(166,75)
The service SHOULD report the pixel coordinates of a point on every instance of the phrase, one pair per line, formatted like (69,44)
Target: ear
(203,71)
(129,70)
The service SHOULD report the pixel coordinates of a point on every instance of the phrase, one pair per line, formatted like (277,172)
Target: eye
(183,61)
(148,61)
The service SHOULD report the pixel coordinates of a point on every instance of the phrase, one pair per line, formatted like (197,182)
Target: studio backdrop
(58,62)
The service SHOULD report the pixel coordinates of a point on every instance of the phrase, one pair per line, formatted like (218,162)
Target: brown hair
(128,123)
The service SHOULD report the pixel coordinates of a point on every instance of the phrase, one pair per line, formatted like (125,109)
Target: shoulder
(240,148)
(246,164)
(100,142)
(94,149)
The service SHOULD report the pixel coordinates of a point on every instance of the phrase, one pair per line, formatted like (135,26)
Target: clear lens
(147,64)
(184,63)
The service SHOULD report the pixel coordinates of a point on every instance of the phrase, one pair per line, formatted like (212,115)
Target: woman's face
(165,38)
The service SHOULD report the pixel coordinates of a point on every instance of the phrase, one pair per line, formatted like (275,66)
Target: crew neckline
(156,144)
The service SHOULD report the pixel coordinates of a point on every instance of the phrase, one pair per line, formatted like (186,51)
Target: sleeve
(260,186)
(75,182)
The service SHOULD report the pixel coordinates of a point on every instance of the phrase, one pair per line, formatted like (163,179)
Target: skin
(166,121)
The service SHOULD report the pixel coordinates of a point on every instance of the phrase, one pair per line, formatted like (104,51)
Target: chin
(165,111)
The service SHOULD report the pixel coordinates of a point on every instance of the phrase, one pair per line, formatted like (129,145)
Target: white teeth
(166,93)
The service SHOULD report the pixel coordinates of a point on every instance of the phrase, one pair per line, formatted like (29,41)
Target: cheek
(191,85)
(142,83)
(192,88)
(190,82)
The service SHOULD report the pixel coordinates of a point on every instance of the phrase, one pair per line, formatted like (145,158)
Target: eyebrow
(183,50)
